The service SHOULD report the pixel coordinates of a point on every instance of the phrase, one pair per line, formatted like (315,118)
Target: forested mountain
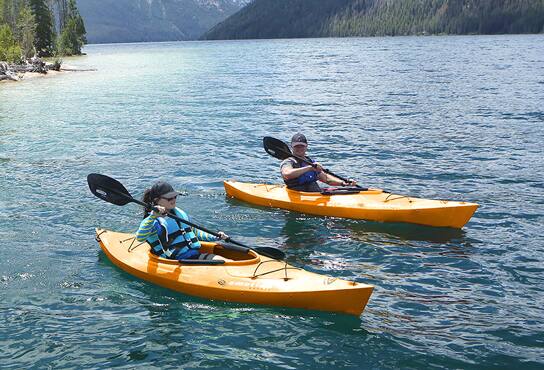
(330,18)
(152,20)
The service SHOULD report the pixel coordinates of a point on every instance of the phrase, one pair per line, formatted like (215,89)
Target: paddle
(278,149)
(112,191)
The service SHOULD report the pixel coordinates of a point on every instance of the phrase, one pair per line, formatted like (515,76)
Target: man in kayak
(170,238)
(301,176)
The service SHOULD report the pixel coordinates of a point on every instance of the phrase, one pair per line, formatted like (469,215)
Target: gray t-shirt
(292,163)
(289,163)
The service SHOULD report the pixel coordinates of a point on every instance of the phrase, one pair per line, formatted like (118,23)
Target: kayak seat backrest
(341,191)
(224,252)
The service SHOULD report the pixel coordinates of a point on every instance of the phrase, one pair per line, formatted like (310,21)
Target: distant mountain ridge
(333,18)
(110,21)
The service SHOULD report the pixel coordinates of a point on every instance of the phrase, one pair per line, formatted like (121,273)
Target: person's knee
(206,256)
(220,258)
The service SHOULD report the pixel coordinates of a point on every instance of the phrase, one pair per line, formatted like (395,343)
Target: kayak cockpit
(237,258)
(129,246)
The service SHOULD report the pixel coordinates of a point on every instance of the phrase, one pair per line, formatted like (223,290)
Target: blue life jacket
(306,178)
(173,237)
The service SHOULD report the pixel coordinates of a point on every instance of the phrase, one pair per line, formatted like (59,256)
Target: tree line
(40,28)
(409,17)
(338,18)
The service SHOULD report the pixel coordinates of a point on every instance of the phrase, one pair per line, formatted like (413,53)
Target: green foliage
(72,37)
(45,33)
(68,42)
(79,24)
(27,28)
(315,18)
(26,31)
(9,49)
(9,11)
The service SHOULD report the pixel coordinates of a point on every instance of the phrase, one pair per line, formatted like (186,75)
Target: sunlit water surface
(457,118)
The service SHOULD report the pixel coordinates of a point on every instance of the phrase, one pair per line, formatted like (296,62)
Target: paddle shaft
(324,169)
(170,214)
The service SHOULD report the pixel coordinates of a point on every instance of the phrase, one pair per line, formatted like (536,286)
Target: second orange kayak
(372,205)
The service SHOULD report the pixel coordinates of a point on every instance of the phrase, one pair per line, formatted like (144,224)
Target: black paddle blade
(108,189)
(276,148)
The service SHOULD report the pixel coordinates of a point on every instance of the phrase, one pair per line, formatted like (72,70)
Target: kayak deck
(372,204)
(248,278)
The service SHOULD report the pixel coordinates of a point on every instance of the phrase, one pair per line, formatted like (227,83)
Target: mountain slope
(319,18)
(278,19)
(152,20)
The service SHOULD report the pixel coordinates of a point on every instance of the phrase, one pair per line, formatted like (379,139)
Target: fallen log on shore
(7,75)
(14,72)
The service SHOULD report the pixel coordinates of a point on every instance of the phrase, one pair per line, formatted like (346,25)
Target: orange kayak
(248,278)
(373,204)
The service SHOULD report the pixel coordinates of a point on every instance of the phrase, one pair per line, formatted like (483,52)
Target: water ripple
(437,117)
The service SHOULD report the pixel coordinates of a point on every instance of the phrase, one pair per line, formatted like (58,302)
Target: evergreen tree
(9,10)
(68,43)
(45,33)
(80,26)
(62,10)
(26,31)
(72,37)
(9,49)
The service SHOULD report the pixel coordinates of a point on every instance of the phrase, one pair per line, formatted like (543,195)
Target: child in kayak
(170,238)
(300,176)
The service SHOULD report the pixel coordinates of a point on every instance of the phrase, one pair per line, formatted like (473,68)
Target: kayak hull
(249,278)
(372,205)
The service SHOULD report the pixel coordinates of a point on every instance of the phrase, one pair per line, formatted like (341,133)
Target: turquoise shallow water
(456,118)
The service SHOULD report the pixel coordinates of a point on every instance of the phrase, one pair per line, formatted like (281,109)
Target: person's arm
(288,172)
(202,235)
(335,181)
(147,228)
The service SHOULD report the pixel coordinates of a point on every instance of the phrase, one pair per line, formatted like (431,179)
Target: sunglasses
(170,199)
(300,146)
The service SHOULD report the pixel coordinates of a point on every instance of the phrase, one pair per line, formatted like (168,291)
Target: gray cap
(299,138)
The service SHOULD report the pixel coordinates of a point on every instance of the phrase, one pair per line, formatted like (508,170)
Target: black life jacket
(305,182)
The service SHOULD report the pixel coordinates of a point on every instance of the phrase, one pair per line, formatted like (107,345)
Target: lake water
(458,118)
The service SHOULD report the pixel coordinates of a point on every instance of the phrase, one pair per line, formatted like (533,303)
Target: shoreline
(22,76)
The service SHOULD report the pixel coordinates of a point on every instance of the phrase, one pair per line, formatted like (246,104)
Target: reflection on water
(403,231)
(299,226)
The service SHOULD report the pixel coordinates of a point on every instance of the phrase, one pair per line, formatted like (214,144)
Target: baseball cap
(299,138)
(163,189)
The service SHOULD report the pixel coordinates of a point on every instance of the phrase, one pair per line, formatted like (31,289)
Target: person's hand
(222,235)
(317,167)
(159,211)
(350,182)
